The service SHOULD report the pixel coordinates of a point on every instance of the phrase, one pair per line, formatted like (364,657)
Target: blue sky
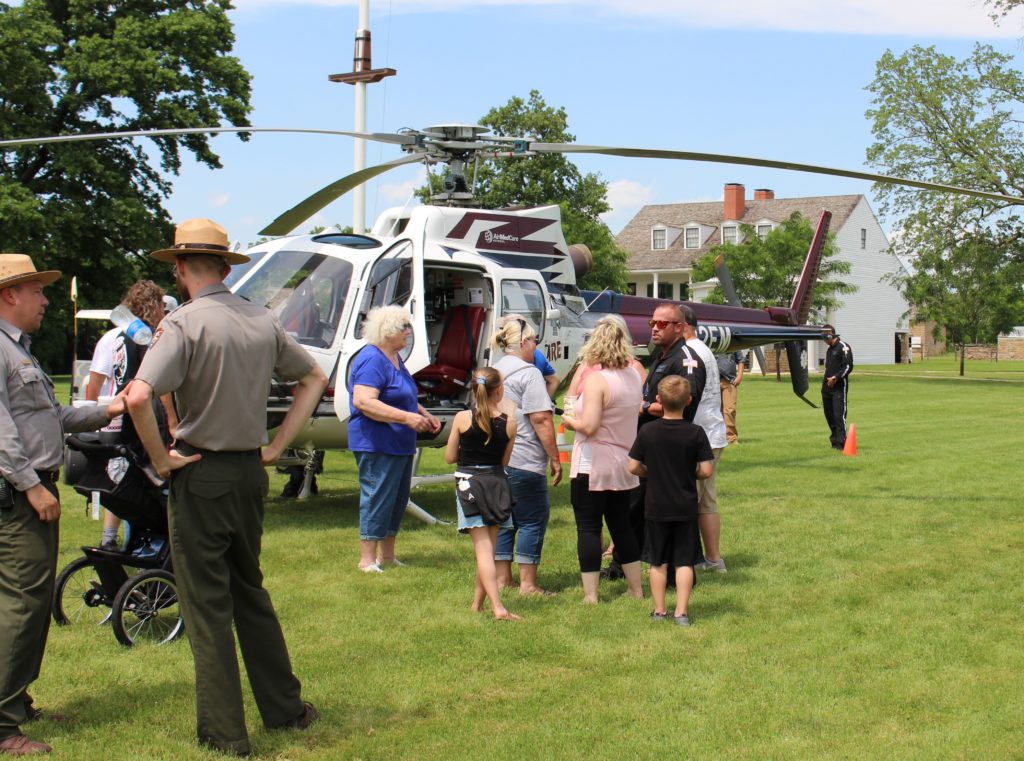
(782,79)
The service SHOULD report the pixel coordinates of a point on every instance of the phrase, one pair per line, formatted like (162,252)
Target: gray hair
(384,322)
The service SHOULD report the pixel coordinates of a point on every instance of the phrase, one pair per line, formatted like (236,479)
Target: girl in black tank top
(476,449)
(481,443)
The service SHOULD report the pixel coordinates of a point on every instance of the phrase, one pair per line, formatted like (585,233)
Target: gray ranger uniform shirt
(213,353)
(32,422)
(525,388)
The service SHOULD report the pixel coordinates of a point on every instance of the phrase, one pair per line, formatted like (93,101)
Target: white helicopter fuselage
(456,270)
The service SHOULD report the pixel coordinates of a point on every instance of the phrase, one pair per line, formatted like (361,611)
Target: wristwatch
(645,406)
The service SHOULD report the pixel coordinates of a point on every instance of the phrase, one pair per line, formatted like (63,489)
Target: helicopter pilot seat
(456,353)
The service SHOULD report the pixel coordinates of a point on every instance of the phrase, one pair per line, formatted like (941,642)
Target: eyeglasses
(407,326)
(662,324)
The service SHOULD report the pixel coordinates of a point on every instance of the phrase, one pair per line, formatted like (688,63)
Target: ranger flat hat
(199,236)
(18,268)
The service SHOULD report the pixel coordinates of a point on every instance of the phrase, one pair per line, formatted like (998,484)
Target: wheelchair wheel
(78,596)
(146,609)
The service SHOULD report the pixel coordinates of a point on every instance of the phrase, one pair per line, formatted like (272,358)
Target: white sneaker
(372,568)
(718,566)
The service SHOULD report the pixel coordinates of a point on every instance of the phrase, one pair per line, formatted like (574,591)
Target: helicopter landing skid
(432,478)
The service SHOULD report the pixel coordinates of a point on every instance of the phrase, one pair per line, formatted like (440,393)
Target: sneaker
(394,561)
(372,568)
(656,616)
(718,566)
(110,544)
(683,620)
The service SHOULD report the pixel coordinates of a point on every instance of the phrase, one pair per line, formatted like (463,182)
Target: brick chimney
(764,194)
(735,202)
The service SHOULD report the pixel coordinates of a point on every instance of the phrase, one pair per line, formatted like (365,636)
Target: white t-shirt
(526,389)
(709,411)
(103,360)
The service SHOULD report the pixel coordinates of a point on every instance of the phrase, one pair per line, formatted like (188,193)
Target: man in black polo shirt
(671,357)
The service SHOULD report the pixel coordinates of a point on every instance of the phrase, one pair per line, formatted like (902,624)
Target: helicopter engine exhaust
(582,259)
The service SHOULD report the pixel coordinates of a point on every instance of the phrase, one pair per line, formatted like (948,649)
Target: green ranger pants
(28,562)
(216,525)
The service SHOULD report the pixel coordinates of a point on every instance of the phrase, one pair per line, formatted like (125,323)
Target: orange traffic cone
(850,448)
(563,454)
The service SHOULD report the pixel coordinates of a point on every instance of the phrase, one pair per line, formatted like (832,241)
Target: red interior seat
(456,352)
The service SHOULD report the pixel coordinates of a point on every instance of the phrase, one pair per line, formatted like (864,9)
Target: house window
(684,291)
(692,239)
(658,239)
(863,237)
(631,289)
(729,234)
(763,230)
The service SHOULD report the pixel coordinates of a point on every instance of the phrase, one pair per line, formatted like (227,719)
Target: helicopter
(459,268)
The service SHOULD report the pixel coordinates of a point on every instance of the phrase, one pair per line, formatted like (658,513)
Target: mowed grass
(872,609)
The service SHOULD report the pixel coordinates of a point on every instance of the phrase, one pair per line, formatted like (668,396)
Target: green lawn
(872,609)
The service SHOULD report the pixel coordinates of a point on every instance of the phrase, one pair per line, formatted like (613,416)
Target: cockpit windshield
(306,291)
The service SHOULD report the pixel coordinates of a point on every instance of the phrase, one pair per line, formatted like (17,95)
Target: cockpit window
(237,270)
(306,291)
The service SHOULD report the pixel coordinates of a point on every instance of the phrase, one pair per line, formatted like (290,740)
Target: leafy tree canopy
(765,272)
(958,122)
(91,208)
(972,290)
(547,179)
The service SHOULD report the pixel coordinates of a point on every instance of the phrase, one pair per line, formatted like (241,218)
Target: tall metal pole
(359,159)
(361,75)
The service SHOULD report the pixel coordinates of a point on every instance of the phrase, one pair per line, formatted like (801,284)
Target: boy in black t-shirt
(672,454)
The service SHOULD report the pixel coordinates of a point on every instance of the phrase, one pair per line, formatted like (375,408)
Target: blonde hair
(512,331)
(609,345)
(674,393)
(486,382)
(145,299)
(384,322)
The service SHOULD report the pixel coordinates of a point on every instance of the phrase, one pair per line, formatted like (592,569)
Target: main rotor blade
(725,280)
(380,137)
(302,211)
(721,158)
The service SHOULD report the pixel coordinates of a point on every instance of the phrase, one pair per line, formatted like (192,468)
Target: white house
(664,240)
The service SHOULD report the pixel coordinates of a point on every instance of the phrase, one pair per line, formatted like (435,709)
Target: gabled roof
(635,237)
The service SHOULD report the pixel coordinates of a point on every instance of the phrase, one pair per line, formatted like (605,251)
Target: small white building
(664,240)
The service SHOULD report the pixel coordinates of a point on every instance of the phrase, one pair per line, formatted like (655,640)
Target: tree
(958,122)
(92,208)
(972,290)
(765,272)
(546,179)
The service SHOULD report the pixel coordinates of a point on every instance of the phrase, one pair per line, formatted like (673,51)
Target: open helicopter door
(395,277)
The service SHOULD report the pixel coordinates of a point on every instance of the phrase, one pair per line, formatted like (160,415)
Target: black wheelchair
(132,588)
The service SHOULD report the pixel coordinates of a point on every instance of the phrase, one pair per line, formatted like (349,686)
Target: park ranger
(32,428)
(217,353)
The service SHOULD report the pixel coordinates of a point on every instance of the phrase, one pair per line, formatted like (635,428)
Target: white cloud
(625,198)
(399,192)
(944,18)
(220,199)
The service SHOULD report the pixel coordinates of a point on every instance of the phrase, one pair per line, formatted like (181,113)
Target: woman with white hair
(605,424)
(383,422)
(534,450)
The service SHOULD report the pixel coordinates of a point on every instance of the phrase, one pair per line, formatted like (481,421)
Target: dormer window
(730,234)
(659,239)
(692,237)
(764,229)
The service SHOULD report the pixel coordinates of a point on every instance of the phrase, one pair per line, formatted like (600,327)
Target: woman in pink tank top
(604,420)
